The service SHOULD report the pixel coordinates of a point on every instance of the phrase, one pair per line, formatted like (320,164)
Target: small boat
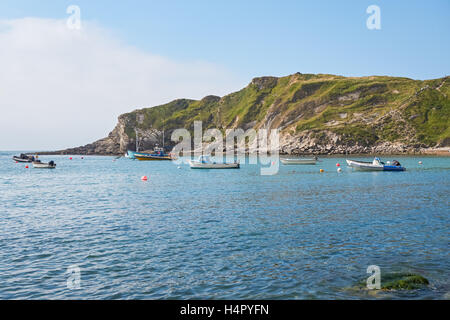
(43,165)
(310,161)
(152,157)
(132,154)
(204,162)
(158,154)
(144,156)
(23,158)
(375,165)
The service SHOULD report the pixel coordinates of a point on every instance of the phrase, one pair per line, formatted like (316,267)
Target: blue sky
(275,37)
(133,54)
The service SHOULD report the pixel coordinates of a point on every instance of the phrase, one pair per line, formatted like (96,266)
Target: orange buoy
(321,170)
(144,178)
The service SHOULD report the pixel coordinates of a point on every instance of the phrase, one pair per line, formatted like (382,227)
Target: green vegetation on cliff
(365,110)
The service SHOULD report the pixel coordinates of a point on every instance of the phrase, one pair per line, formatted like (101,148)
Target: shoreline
(443,152)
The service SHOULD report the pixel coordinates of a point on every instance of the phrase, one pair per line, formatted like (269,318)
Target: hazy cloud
(63,88)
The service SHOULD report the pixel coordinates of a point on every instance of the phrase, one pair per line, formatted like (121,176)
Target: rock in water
(403,281)
(396,281)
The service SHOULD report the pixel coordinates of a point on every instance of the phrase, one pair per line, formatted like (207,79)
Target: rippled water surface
(227,234)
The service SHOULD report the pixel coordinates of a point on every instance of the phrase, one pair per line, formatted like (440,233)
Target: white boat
(375,165)
(43,165)
(23,158)
(310,161)
(204,162)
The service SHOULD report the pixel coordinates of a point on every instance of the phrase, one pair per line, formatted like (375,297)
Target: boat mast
(164,120)
(137,140)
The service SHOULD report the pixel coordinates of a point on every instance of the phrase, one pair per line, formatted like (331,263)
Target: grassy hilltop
(340,114)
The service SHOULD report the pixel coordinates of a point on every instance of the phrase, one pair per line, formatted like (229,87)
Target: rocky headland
(316,114)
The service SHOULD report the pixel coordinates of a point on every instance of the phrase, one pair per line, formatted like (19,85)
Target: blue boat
(375,165)
(132,154)
(158,154)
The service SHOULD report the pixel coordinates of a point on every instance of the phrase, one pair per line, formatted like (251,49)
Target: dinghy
(43,165)
(23,158)
(375,165)
(310,161)
(204,162)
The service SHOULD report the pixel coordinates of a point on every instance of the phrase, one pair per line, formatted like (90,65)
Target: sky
(62,87)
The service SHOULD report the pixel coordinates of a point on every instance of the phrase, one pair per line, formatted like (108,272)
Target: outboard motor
(51,163)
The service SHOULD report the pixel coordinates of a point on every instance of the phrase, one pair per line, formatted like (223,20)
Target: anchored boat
(204,162)
(43,165)
(375,165)
(132,154)
(310,161)
(158,154)
(23,158)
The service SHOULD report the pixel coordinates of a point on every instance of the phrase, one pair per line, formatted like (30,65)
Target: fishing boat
(375,165)
(310,161)
(43,165)
(23,158)
(204,162)
(158,154)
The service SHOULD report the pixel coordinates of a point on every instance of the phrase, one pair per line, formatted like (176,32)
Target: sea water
(91,229)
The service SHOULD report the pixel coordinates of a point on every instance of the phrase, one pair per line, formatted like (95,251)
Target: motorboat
(44,165)
(205,162)
(23,158)
(308,161)
(158,154)
(375,165)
